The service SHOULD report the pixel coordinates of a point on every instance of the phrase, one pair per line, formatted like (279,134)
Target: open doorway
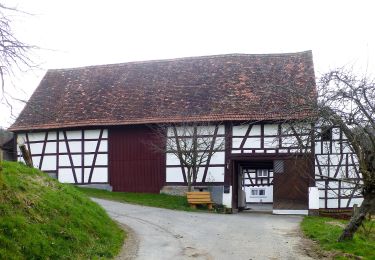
(255,185)
(284,179)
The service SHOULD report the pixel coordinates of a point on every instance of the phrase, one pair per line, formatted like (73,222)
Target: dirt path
(167,234)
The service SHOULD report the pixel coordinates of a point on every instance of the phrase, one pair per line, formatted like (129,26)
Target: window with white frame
(262,173)
(258,192)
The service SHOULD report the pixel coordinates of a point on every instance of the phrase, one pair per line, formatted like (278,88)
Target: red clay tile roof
(233,87)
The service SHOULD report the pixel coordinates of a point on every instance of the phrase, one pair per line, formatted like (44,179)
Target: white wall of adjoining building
(82,147)
(334,159)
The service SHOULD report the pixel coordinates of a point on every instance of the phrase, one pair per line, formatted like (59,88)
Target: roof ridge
(188,58)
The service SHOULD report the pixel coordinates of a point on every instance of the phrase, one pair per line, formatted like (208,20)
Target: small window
(258,192)
(326,133)
(262,173)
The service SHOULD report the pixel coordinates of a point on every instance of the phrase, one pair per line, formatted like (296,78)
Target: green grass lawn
(146,199)
(41,218)
(327,230)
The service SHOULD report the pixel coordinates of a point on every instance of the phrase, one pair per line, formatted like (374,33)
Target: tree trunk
(26,155)
(189,179)
(358,217)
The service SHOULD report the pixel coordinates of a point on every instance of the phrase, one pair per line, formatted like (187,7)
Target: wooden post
(355,209)
(26,155)
(1,155)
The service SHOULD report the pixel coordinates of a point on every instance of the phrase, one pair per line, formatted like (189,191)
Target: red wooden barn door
(290,187)
(134,166)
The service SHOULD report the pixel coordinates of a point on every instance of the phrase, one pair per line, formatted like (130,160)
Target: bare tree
(14,54)
(348,101)
(193,143)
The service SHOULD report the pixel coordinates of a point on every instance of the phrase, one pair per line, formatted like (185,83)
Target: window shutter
(278,166)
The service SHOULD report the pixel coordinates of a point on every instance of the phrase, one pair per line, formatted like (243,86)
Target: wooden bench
(201,198)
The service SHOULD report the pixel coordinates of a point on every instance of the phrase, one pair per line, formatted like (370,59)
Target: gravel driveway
(168,234)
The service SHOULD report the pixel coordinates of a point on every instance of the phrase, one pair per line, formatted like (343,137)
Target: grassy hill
(43,219)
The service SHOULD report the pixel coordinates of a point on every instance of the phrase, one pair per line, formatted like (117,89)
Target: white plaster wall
(170,132)
(36,148)
(105,133)
(77,159)
(289,141)
(313,198)
(332,203)
(347,148)
(102,159)
(270,129)
(49,163)
(174,174)
(72,135)
(335,133)
(90,146)
(336,147)
(236,142)
(254,142)
(239,130)
(215,174)
(286,130)
(271,142)
(88,158)
(52,136)
(219,143)
(321,204)
(37,136)
(332,158)
(62,147)
(357,201)
(100,175)
(103,146)
(268,197)
(218,158)
(75,146)
(227,198)
(300,128)
(318,147)
(66,176)
(21,138)
(172,159)
(86,175)
(200,174)
(51,147)
(201,130)
(36,161)
(255,130)
(92,134)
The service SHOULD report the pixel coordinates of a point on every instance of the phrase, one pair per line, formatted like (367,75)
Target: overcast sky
(80,33)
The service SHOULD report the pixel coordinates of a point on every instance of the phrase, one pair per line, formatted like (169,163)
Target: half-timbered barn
(94,126)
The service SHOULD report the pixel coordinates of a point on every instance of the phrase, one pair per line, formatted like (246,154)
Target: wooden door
(290,187)
(134,165)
